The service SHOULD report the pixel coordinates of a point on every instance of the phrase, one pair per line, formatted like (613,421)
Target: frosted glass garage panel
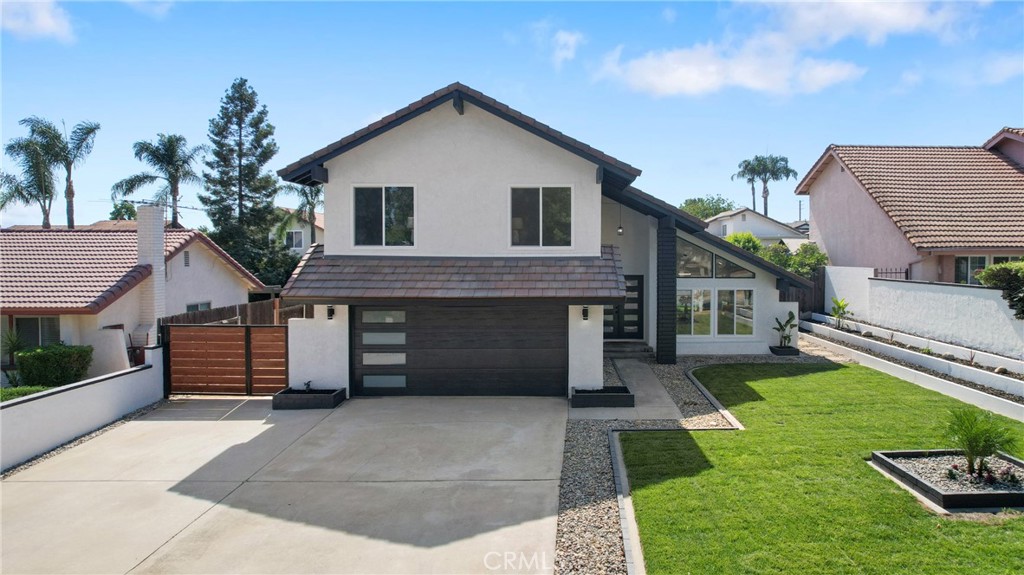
(392,381)
(383,359)
(383,338)
(378,316)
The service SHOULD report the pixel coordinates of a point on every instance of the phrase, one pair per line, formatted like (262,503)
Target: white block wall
(586,347)
(318,350)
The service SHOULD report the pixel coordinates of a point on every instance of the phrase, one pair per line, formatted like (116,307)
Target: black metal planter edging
(612,396)
(289,398)
(787,350)
(947,500)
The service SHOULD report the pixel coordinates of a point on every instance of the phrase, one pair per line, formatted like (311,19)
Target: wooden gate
(226,359)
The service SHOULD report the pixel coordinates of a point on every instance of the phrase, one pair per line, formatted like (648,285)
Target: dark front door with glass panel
(460,350)
(626,320)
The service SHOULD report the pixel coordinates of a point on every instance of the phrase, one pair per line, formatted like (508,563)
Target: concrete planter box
(289,398)
(615,396)
(787,350)
(932,362)
(944,499)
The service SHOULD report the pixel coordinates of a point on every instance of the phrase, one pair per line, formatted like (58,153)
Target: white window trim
(715,287)
(302,239)
(383,245)
(540,240)
(198,304)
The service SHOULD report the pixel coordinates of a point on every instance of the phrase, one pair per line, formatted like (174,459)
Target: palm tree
(748,172)
(36,185)
(311,199)
(64,150)
(172,160)
(773,169)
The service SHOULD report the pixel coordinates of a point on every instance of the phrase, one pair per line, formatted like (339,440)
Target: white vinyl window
(384,215)
(37,331)
(729,312)
(197,306)
(293,239)
(541,216)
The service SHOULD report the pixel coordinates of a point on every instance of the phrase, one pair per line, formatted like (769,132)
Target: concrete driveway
(385,485)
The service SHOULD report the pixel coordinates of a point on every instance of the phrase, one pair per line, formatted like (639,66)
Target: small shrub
(7,393)
(54,365)
(1008,277)
(840,311)
(784,329)
(979,435)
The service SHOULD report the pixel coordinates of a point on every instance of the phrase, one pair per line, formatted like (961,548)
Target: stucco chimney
(152,304)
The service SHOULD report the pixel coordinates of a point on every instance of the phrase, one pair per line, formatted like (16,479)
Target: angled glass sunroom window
(727,269)
(693,261)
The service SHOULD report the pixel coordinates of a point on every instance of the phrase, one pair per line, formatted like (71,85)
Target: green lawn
(16,392)
(793,494)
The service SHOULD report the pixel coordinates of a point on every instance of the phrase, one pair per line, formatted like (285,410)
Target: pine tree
(239,192)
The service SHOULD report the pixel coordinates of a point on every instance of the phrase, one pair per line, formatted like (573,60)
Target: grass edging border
(948,501)
(712,399)
(972,396)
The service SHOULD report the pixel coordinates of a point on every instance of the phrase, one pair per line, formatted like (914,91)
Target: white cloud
(669,15)
(777,59)
(565,44)
(1001,68)
(37,19)
(153,8)
(908,79)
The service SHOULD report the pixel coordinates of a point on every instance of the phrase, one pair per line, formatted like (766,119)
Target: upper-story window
(384,216)
(293,239)
(696,262)
(542,216)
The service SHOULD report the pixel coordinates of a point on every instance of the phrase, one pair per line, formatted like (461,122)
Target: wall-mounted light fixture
(620,230)
(586,313)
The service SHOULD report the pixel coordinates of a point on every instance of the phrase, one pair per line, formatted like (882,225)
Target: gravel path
(934,470)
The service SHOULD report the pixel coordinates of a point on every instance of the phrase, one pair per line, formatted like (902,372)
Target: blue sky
(683,91)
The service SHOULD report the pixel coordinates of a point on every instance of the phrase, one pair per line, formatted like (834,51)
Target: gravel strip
(956,380)
(82,439)
(933,469)
(611,375)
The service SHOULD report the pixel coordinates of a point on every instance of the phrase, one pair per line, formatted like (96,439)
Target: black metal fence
(893,273)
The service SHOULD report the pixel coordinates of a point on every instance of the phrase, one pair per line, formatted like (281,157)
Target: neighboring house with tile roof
(99,285)
(943,212)
(768,230)
(476,251)
(298,237)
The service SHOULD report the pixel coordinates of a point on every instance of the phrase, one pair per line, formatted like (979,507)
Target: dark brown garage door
(459,350)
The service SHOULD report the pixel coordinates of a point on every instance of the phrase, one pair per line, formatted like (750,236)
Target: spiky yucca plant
(979,435)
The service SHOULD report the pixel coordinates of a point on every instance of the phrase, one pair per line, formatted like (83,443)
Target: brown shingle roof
(446,93)
(941,197)
(358,279)
(80,271)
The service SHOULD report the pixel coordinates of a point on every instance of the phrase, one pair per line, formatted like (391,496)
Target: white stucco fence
(35,424)
(971,316)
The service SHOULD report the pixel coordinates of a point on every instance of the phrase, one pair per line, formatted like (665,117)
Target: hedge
(54,365)
(1008,277)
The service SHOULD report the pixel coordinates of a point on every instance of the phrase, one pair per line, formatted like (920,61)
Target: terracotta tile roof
(440,96)
(81,270)
(356,279)
(941,197)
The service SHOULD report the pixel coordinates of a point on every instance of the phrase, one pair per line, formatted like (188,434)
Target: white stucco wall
(586,348)
(207,278)
(36,424)
(970,316)
(462,169)
(756,224)
(307,239)
(851,228)
(637,247)
(767,307)
(318,350)
(850,284)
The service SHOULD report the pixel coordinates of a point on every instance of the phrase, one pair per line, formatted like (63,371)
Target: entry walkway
(652,401)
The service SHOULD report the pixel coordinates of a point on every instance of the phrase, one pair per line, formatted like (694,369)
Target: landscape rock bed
(983,388)
(934,469)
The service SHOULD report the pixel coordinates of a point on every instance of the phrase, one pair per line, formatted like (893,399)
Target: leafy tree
(123,210)
(64,150)
(807,259)
(172,159)
(748,172)
(1008,277)
(707,207)
(239,192)
(311,200)
(745,240)
(764,169)
(36,185)
(777,254)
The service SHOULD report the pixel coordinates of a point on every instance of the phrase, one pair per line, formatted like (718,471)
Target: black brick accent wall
(666,301)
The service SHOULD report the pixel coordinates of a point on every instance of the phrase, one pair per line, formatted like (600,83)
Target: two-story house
(941,212)
(297,234)
(768,230)
(474,250)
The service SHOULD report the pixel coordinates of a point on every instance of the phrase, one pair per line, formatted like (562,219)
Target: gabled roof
(738,211)
(940,197)
(319,216)
(304,170)
(362,279)
(82,271)
(1004,134)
